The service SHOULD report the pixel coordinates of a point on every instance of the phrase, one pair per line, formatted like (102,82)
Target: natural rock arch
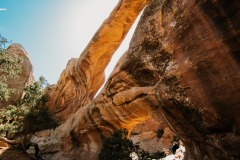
(182,63)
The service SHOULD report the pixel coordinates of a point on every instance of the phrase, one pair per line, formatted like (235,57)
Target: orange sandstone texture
(82,78)
(146,134)
(182,64)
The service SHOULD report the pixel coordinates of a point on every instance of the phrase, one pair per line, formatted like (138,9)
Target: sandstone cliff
(148,135)
(182,64)
(83,77)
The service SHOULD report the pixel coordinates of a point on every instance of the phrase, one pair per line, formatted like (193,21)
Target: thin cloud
(3,9)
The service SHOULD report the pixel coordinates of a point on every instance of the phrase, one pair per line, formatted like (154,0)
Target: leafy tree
(10,67)
(29,114)
(119,147)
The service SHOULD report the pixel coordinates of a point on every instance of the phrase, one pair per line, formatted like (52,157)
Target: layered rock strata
(152,135)
(182,63)
(82,78)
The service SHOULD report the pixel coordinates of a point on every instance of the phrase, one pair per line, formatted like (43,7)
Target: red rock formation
(199,90)
(195,45)
(182,63)
(146,134)
(82,78)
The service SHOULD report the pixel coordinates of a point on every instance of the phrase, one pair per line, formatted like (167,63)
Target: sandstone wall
(183,63)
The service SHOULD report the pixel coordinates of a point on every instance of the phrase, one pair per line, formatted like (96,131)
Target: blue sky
(54,31)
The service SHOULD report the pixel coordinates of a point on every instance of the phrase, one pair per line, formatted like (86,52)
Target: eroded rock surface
(199,90)
(182,63)
(82,78)
(148,135)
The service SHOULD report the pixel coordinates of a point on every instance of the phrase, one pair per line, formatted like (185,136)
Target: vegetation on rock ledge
(28,115)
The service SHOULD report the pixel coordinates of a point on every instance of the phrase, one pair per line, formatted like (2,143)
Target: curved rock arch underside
(182,65)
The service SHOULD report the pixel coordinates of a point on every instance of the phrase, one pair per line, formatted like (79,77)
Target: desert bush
(119,147)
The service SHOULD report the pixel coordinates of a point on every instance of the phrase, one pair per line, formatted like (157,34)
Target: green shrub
(39,119)
(119,147)
(19,120)
(27,116)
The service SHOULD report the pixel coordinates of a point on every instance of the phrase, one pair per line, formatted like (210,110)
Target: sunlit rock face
(25,77)
(82,77)
(182,64)
(152,135)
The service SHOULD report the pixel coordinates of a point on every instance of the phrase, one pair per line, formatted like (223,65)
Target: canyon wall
(182,64)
